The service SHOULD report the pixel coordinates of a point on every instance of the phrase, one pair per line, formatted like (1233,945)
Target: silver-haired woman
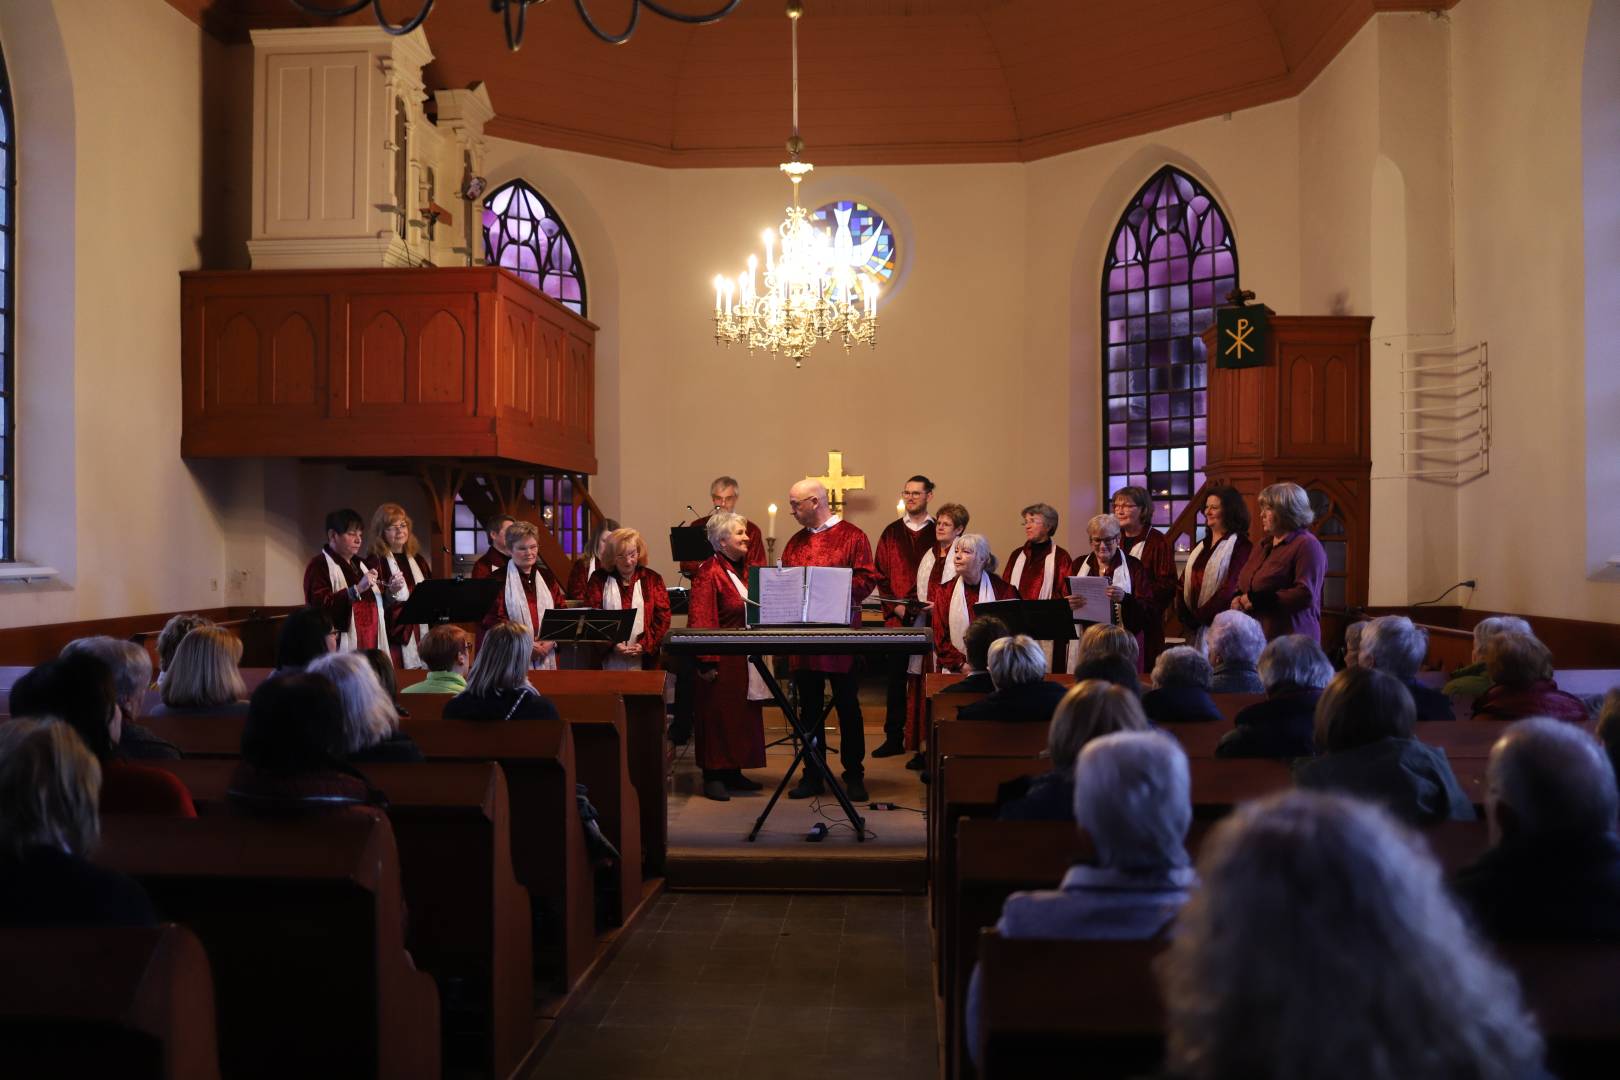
(1281,585)
(954,602)
(728,725)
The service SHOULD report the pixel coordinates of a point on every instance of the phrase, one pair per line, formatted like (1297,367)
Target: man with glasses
(723,499)
(826,539)
(339,584)
(900,550)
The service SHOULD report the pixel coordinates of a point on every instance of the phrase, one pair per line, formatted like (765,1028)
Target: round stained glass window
(862,235)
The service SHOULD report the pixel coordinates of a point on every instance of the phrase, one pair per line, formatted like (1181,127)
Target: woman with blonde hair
(954,601)
(1091,708)
(531,590)
(370,720)
(392,551)
(204,676)
(498,686)
(625,581)
(1281,584)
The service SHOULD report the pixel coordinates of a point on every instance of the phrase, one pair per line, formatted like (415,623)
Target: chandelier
(515,14)
(811,291)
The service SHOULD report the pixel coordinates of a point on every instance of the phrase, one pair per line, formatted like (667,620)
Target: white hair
(1294,660)
(368,716)
(131,666)
(720,526)
(1103,525)
(1554,776)
(1016,659)
(1235,635)
(1488,628)
(1133,797)
(1182,666)
(1394,645)
(978,548)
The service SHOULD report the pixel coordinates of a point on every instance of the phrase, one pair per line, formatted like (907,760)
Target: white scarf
(1121,578)
(959,608)
(1016,575)
(613,600)
(412,574)
(517,608)
(1214,574)
(757,690)
(349,639)
(925,570)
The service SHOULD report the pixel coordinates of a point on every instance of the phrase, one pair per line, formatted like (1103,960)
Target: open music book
(788,595)
(1093,593)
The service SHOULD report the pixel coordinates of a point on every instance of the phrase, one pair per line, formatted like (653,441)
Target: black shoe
(736,781)
(918,762)
(807,789)
(890,748)
(716,790)
(855,788)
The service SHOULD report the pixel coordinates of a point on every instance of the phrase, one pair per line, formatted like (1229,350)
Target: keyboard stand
(808,744)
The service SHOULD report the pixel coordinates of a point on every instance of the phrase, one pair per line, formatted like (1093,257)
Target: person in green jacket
(1470,680)
(447,652)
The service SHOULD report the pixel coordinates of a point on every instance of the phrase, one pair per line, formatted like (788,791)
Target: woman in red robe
(625,581)
(527,575)
(729,729)
(1128,592)
(342,587)
(1211,578)
(586,566)
(937,567)
(1133,509)
(954,602)
(1039,569)
(393,554)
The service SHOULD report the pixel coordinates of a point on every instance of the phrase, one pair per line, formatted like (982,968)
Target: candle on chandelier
(753,268)
(770,514)
(871,301)
(728,296)
(768,263)
(719,292)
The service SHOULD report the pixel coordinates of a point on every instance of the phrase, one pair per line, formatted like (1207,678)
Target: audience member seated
(49,784)
(1101,639)
(78,689)
(1396,646)
(1521,673)
(382,666)
(370,719)
(498,687)
(1235,643)
(1321,943)
(293,750)
(1294,670)
(981,634)
(447,652)
(307,633)
(1471,680)
(1352,642)
(1608,727)
(1553,870)
(1180,694)
(1090,709)
(204,676)
(132,676)
(1018,669)
(1364,729)
(1132,797)
(1112,669)
(174,631)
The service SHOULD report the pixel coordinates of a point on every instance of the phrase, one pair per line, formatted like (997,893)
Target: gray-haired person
(1396,646)
(1022,693)
(1180,694)
(1295,671)
(1471,680)
(1235,643)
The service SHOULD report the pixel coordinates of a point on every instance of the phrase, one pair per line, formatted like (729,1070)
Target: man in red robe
(1148,546)
(828,540)
(1039,570)
(353,606)
(494,559)
(723,500)
(900,549)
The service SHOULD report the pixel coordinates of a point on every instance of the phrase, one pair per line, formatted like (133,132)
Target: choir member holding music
(623,582)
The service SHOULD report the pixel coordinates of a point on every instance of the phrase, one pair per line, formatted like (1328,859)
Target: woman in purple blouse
(1281,585)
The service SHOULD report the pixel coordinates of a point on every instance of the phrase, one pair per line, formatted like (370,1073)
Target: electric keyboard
(802,641)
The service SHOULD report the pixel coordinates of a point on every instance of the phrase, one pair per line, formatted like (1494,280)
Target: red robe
(946,655)
(1158,561)
(579,577)
(655,600)
(916,705)
(756,547)
(490,563)
(900,548)
(1136,611)
(1204,614)
(398,632)
(318,593)
(729,729)
(497,613)
(1034,573)
(840,544)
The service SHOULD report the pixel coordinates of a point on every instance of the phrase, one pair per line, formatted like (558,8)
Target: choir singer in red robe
(955,601)
(1133,509)
(900,551)
(826,539)
(393,553)
(729,728)
(723,497)
(530,591)
(1128,582)
(495,557)
(628,582)
(1211,578)
(1039,569)
(938,566)
(585,567)
(342,587)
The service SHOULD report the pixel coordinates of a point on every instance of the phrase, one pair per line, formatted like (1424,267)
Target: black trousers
(846,699)
(894,719)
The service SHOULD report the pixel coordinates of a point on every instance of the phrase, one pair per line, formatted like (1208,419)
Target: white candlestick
(770,514)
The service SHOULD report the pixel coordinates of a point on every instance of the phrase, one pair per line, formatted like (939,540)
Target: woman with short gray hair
(1396,646)
(1235,643)
(952,604)
(1180,694)
(1040,568)
(1282,583)
(728,692)
(1471,680)
(1022,692)
(1294,670)
(1321,942)
(1129,586)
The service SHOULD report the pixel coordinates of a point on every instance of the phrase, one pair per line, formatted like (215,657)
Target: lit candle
(900,507)
(719,292)
(728,296)
(770,514)
(753,268)
(742,288)
(871,301)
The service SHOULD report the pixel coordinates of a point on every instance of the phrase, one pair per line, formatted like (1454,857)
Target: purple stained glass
(524,234)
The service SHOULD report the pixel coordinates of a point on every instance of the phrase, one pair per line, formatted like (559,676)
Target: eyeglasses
(1104,541)
(397,526)
(919,493)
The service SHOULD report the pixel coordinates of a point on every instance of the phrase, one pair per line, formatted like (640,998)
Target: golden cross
(1240,339)
(837,482)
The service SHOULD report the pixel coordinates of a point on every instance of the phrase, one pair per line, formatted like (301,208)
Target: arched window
(1172,261)
(523,233)
(8,336)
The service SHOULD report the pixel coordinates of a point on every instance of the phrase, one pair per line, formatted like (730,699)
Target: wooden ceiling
(881,81)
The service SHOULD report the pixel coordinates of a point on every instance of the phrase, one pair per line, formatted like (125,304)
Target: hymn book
(1093,594)
(789,595)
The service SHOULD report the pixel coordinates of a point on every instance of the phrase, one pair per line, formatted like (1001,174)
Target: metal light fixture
(812,292)
(514,14)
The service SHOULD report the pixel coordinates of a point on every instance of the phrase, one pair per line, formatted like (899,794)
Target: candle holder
(770,549)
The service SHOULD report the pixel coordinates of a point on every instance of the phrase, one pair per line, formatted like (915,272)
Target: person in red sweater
(900,550)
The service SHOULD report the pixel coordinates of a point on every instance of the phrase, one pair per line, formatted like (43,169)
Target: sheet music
(801,594)
(827,600)
(1093,592)
(781,595)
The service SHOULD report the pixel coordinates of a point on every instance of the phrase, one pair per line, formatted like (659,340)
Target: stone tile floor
(762,986)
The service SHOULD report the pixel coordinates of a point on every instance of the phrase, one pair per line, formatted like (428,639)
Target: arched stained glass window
(523,233)
(863,233)
(1171,262)
(8,291)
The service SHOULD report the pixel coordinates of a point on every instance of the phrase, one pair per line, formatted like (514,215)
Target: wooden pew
(304,927)
(469,918)
(92,1001)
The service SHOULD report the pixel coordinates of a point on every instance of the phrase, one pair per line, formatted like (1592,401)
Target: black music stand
(807,744)
(1043,620)
(586,626)
(442,600)
(689,543)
